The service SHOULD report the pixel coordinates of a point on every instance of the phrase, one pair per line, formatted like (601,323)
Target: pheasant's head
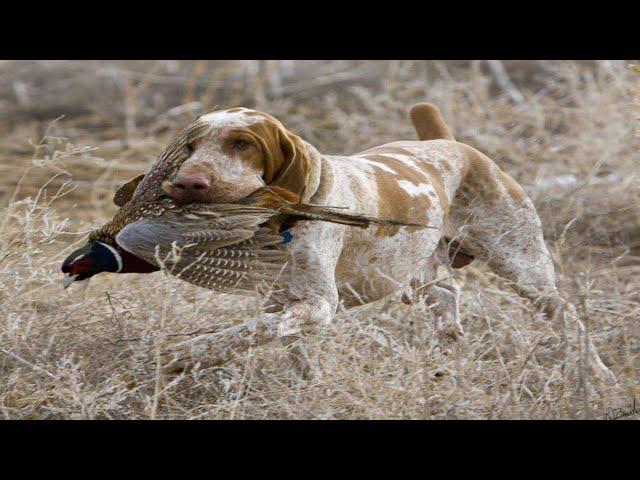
(93,258)
(96,257)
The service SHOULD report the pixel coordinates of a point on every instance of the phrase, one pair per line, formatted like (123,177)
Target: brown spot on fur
(404,171)
(395,202)
(373,260)
(427,173)
(386,231)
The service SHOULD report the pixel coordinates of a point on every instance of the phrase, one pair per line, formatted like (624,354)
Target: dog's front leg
(309,298)
(220,347)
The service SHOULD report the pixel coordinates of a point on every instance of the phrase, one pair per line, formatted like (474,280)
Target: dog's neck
(322,194)
(315,173)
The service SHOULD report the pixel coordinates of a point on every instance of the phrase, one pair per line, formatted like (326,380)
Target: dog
(472,209)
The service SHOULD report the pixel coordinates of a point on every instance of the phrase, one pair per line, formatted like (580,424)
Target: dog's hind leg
(442,298)
(494,220)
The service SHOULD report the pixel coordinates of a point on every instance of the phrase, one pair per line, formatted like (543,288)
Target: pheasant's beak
(68,280)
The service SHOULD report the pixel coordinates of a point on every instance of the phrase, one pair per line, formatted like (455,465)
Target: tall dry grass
(572,142)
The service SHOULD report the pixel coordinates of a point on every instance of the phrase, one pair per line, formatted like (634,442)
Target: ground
(571,139)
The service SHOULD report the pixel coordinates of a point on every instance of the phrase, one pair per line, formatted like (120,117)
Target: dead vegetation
(567,131)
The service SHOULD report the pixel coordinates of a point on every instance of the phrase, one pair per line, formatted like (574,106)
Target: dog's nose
(191,182)
(188,188)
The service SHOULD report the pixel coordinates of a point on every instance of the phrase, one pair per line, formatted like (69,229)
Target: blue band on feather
(287,236)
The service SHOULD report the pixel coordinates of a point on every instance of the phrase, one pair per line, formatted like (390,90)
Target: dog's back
(450,186)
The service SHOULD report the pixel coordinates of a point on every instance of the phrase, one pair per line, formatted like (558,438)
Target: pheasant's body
(220,247)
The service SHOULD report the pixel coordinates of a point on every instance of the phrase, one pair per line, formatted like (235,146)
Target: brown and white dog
(479,209)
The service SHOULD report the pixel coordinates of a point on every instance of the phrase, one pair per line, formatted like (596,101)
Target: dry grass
(572,143)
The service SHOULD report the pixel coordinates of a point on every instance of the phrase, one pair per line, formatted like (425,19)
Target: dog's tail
(428,122)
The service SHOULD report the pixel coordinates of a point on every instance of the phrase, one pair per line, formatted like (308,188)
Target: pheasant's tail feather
(285,202)
(336,215)
(271,197)
(229,209)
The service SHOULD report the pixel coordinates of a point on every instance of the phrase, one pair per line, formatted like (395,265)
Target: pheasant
(224,247)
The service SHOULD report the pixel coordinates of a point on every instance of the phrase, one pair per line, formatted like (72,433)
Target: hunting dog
(471,207)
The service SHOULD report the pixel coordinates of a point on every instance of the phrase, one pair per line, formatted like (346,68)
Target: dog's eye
(240,144)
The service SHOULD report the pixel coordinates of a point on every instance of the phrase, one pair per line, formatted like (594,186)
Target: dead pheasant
(223,247)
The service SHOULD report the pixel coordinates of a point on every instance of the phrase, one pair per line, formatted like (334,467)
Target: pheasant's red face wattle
(82,265)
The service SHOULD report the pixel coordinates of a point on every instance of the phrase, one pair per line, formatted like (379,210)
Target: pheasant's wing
(216,248)
(238,267)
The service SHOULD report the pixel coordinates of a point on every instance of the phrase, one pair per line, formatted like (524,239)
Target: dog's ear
(287,161)
(125,192)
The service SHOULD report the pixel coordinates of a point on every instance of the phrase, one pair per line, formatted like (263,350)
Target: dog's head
(243,151)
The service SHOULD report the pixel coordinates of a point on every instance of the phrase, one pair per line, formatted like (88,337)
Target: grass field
(72,132)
